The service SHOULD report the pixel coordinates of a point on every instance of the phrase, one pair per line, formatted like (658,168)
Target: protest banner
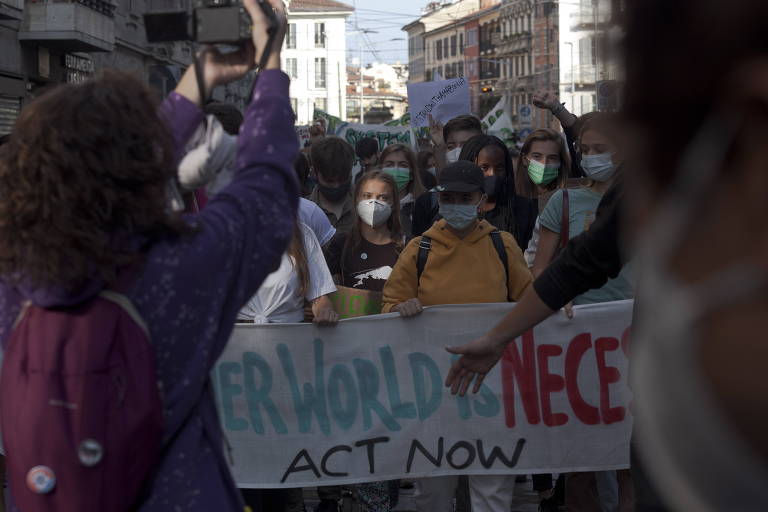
(354,302)
(364,401)
(386,135)
(442,100)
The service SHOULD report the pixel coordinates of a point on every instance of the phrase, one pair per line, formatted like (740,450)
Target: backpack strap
(498,244)
(425,244)
(565,221)
(125,303)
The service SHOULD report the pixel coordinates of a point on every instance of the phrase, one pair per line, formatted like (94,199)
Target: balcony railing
(587,19)
(581,75)
(11,9)
(515,43)
(79,25)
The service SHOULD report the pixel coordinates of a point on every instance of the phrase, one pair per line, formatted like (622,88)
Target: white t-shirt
(316,219)
(278,300)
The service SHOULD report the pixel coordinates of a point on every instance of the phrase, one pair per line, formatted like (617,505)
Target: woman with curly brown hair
(83,197)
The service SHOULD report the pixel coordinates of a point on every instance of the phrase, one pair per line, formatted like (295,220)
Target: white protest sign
(386,135)
(444,100)
(302,133)
(364,401)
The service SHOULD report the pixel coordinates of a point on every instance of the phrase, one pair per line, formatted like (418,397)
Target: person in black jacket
(698,173)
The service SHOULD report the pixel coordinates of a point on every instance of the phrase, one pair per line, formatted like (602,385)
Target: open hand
(436,132)
(477,359)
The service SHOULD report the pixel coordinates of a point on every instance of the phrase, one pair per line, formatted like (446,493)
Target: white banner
(365,401)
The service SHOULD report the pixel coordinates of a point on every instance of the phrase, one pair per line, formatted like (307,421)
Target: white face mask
(453,155)
(598,167)
(374,212)
(679,421)
(432,171)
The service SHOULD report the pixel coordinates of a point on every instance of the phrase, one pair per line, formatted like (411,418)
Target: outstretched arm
(481,355)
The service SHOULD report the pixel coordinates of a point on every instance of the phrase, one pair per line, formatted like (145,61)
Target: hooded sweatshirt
(458,271)
(190,288)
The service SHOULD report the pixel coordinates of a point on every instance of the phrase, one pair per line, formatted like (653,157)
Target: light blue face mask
(598,167)
(459,216)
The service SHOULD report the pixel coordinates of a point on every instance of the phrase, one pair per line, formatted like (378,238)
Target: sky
(386,18)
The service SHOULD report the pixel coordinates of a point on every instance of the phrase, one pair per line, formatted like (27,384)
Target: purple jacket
(191,289)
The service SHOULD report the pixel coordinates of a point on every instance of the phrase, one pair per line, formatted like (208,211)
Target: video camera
(208,22)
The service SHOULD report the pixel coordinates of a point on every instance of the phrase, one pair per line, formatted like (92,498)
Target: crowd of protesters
(203,217)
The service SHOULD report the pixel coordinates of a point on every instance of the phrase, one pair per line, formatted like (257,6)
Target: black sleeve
(570,137)
(589,260)
(525,211)
(333,251)
(423,214)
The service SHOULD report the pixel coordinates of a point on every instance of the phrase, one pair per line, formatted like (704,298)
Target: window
(292,67)
(445,47)
(461,42)
(320,72)
(453,46)
(439,50)
(472,37)
(461,69)
(294,104)
(321,104)
(319,35)
(290,37)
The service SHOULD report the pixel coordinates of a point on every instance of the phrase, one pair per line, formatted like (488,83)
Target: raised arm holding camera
(87,229)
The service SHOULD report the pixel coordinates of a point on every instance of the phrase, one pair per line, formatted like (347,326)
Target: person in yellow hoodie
(459,260)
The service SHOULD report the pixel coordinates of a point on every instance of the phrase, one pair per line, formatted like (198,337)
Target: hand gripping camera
(208,22)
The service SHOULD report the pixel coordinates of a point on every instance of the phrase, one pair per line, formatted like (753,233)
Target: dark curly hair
(83,183)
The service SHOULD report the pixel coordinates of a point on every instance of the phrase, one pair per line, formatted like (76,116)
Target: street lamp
(573,78)
(362,31)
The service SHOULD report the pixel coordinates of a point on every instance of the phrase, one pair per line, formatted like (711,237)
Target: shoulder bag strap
(498,244)
(425,244)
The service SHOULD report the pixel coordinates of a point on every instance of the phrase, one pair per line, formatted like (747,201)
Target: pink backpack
(80,407)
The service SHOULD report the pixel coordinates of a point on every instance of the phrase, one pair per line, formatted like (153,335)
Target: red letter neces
(523,362)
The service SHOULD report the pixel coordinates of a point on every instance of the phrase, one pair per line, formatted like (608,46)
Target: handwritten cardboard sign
(353,302)
(442,100)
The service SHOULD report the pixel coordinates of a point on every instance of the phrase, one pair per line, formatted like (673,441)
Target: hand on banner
(568,309)
(436,132)
(324,314)
(546,100)
(477,359)
(411,307)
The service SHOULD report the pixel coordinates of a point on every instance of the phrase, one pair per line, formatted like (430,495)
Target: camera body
(209,22)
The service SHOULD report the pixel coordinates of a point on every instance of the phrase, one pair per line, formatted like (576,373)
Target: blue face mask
(598,167)
(459,216)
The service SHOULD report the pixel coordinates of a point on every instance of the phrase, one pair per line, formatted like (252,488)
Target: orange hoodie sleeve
(402,283)
(520,278)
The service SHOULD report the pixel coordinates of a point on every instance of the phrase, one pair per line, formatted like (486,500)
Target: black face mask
(335,194)
(494,188)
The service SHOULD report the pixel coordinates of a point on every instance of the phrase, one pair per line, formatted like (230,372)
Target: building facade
(314,56)
(47,42)
(588,68)
(384,93)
